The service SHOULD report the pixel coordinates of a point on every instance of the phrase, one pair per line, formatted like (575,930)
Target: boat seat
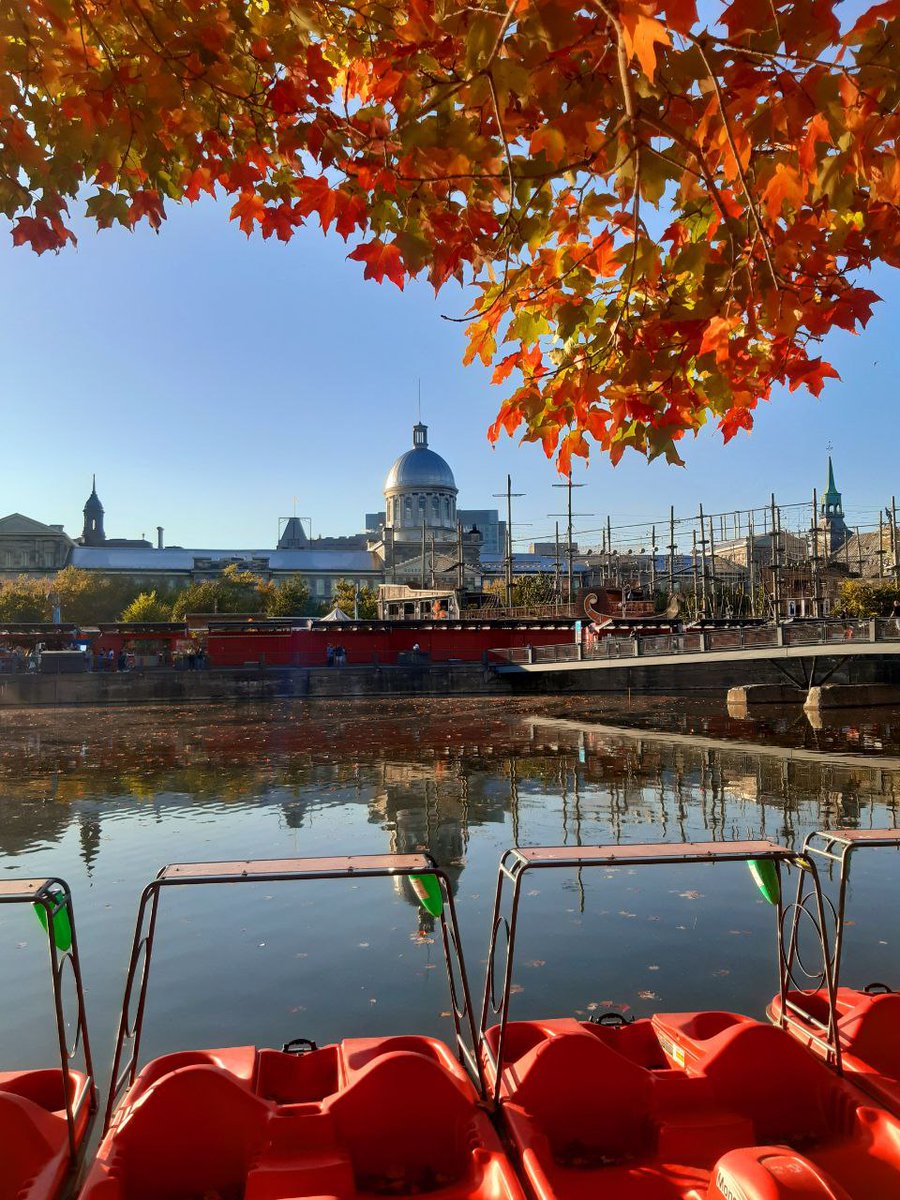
(195,1131)
(33,1145)
(405,1124)
(871,1032)
(771,1173)
(764,1074)
(589,1101)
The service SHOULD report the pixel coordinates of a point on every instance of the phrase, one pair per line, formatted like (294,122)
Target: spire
(92,534)
(831,500)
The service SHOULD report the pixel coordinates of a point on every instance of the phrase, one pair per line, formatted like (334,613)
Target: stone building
(28,547)
(421,540)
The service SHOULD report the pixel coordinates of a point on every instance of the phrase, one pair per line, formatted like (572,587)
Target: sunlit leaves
(534,150)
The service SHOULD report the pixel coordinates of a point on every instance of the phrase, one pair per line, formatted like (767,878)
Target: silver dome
(420,467)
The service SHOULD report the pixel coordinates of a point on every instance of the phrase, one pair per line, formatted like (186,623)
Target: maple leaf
(811,374)
(40,234)
(249,210)
(381,259)
(551,142)
(642,35)
(785,186)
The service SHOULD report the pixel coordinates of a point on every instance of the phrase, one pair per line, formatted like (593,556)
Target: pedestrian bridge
(805,641)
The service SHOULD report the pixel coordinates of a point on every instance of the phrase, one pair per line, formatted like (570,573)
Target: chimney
(159,537)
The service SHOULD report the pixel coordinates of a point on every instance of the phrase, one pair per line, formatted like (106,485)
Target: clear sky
(208,380)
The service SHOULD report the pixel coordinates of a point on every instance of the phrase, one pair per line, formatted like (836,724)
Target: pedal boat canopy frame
(53,897)
(837,847)
(516,863)
(283,870)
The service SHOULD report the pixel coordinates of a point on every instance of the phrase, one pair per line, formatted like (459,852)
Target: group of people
(14,659)
(335,656)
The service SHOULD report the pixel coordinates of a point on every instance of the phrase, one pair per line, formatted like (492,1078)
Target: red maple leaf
(381,258)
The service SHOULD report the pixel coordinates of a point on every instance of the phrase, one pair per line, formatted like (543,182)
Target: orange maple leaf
(381,258)
(785,185)
(642,34)
(248,210)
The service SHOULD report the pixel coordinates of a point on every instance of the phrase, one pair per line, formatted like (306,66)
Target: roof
(832,495)
(860,553)
(128,558)
(420,467)
(17,524)
(336,614)
(293,536)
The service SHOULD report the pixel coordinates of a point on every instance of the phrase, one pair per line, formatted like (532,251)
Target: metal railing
(751,637)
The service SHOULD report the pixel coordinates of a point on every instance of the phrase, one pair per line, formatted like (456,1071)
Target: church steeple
(831,514)
(92,534)
(831,500)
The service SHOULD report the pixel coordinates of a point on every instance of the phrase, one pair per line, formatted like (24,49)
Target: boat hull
(372,1116)
(688,1106)
(869,1030)
(35,1159)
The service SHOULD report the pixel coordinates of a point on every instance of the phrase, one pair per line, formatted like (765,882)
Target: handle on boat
(428,892)
(62,926)
(877,989)
(615,1019)
(299,1046)
(765,876)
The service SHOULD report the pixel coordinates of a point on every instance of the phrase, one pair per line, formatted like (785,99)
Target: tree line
(89,597)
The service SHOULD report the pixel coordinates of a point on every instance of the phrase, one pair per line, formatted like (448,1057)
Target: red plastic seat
(762,1073)
(34,1139)
(588,1101)
(196,1131)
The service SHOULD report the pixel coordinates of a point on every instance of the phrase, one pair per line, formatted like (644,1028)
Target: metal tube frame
(363,866)
(837,847)
(516,862)
(53,895)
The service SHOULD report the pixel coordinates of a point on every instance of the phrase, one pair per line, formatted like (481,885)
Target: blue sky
(208,380)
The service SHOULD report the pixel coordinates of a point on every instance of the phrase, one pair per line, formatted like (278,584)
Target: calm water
(105,797)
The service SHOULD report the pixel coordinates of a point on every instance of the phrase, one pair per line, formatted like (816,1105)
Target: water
(104,797)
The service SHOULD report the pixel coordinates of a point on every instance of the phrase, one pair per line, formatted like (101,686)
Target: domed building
(420,492)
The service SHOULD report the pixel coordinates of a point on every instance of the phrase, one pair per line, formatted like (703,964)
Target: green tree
(147,606)
(234,591)
(528,591)
(86,597)
(290,598)
(365,598)
(863,598)
(24,599)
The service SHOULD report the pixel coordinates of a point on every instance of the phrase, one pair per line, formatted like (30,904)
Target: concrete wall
(183,687)
(674,679)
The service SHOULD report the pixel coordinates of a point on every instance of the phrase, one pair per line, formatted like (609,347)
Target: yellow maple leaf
(642,33)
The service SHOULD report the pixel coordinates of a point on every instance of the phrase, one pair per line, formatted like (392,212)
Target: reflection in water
(104,797)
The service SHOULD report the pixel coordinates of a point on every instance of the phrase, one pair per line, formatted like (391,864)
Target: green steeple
(831,500)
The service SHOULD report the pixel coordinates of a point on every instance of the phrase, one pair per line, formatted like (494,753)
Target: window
(320,587)
(408,508)
(436,508)
(447,508)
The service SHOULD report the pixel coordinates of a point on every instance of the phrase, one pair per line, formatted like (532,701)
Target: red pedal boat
(865,1041)
(684,1106)
(45,1113)
(395,1116)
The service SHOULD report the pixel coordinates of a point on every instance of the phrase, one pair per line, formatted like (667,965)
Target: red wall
(441,642)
